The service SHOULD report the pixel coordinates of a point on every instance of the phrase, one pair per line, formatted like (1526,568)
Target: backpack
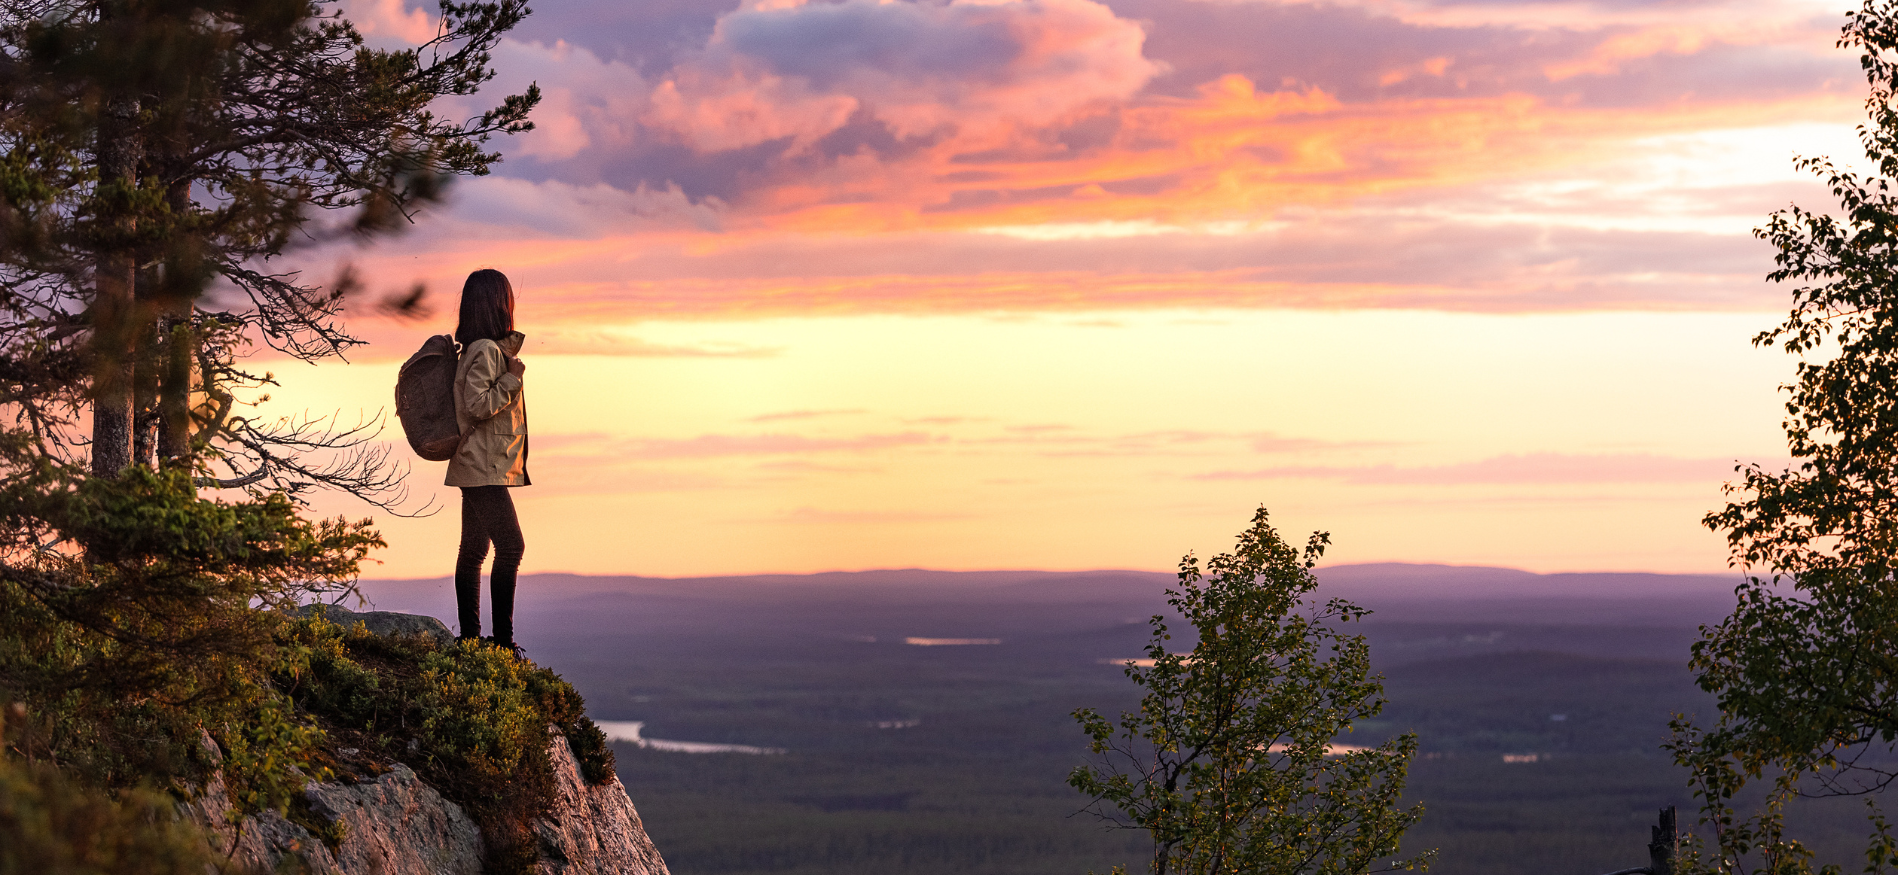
(425,400)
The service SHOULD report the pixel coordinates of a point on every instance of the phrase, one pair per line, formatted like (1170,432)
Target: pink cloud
(878,116)
(573,340)
(1525,469)
(390,22)
(1479,264)
(587,102)
(717,445)
(801,71)
(1070,155)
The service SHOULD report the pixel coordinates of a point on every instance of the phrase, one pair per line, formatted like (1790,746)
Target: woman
(491,409)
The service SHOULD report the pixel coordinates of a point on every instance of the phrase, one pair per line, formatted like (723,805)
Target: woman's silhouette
(491,409)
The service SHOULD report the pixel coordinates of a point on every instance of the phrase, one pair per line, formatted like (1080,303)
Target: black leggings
(487,515)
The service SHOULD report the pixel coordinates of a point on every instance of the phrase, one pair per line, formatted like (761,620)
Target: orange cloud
(1020,155)
(861,116)
(1531,468)
(571,288)
(720,445)
(1611,54)
(1232,152)
(801,71)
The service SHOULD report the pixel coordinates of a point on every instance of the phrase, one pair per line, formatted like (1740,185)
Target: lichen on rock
(393,824)
(396,823)
(385,623)
(592,830)
(481,797)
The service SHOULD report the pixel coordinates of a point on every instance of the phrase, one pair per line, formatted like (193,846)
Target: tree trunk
(172,364)
(114,312)
(145,374)
(1666,844)
(174,393)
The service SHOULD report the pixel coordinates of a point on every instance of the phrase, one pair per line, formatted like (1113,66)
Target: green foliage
(470,718)
(585,737)
(125,653)
(149,149)
(235,120)
(52,825)
(1806,667)
(1228,764)
(267,755)
(485,743)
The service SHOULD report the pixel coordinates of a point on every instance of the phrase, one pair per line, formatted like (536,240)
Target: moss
(330,832)
(470,718)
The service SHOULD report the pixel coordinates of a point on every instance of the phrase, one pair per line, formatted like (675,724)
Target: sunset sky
(1068,284)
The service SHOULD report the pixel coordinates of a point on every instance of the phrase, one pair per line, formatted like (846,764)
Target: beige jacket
(493,402)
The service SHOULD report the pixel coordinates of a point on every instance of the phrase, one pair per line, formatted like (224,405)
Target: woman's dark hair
(487,307)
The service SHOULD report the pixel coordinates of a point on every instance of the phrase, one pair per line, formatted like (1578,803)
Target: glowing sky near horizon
(1074,284)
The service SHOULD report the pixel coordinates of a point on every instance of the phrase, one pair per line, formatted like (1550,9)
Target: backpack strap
(459,351)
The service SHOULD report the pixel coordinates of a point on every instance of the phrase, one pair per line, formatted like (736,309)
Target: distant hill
(1396,592)
(1455,593)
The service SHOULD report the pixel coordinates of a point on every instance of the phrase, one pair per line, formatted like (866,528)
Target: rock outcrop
(592,830)
(389,822)
(393,824)
(397,825)
(382,622)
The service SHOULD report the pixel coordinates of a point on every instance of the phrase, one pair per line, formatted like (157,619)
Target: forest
(1477,661)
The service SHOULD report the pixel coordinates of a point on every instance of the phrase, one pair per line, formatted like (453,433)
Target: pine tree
(149,148)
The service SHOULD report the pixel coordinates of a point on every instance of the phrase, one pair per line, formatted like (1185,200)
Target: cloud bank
(697,160)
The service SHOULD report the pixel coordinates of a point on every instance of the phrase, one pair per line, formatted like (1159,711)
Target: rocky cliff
(397,825)
(393,823)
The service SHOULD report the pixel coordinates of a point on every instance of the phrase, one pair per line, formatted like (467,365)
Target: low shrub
(132,626)
(469,717)
(136,618)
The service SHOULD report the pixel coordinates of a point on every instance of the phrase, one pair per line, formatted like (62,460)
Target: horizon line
(973,571)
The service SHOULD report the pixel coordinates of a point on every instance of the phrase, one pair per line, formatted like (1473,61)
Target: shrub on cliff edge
(470,718)
(132,625)
(138,617)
